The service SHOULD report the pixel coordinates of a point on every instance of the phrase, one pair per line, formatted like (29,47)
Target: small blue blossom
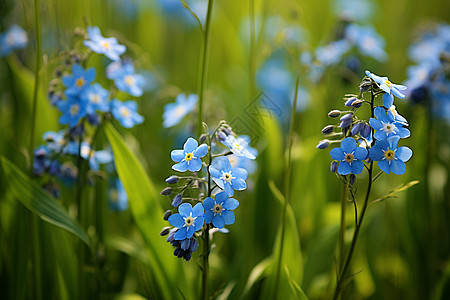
(41,161)
(190,157)
(240,146)
(175,112)
(79,80)
(73,110)
(125,78)
(107,46)
(332,53)
(188,220)
(389,88)
(389,157)
(227,178)
(117,196)
(219,210)
(368,41)
(12,39)
(95,157)
(96,98)
(125,113)
(349,156)
(55,140)
(397,117)
(386,125)
(243,162)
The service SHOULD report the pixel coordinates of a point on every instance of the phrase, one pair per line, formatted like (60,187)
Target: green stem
(252,61)
(287,188)
(203,66)
(35,221)
(343,227)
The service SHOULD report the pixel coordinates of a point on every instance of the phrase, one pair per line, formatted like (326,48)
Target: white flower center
(226,176)
(188,221)
(74,109)
(217,209)
(94,98)
(125,112)
(388,127)
(180,111)
(130,80)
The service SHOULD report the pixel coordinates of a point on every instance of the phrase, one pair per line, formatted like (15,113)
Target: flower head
(125,78)
(240,146)
(190,157)
(107,46)
(175,112)
(125,113)
(228,178)
(73,110)
(349,156)
(12,39)
(386,125)
(219,210)
(79,80)
(96,98)
(55,140)
(389,88)
(368,41)
(389,157)
(95,157)
(188,220)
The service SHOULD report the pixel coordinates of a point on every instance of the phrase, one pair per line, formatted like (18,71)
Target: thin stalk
(344,272)
(252,59)
(35,221)
(203,66)
(287,187)
(343,227)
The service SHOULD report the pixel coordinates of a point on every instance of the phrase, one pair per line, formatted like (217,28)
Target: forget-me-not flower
(227,178)
(368,41)
(79,80)
(95,157)
(126,113)
(349,156)
(389,157)
(107,46)
(389,88)
(386,125)
(73,110)
(190,157)
(188,220)
(96,98)
(240,146)
(175,112)
(12,39)
(219,210)
(125,78)
(55,140)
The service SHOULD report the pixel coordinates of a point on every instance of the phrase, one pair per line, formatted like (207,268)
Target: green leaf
(398,189)
(39,202)
(147,213)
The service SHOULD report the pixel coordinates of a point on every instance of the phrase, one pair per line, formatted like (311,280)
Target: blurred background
(257,48)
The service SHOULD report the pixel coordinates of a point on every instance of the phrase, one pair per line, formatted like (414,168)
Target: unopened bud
(357,103)
(323,144)
(350,101)
(172,179)
(327,129)
(352,179)
(167,214)
(221,135)
(365,85)
(356,129)
(164,231)
(333,166)
(166,191)
(334,113)
(177,200)
(202,138)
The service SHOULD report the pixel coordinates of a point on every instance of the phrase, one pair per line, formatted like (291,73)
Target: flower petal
(229,189)
(344,168)
(176,220)
(208,203)
(180,167)
(218,221)
(198,210)
(384,166)
(388,100)
(221,197)
(208,216)
(337,154)
(201,150)
(230,204)
(177,155)
(195,165)
(180,234)
(239,173)
(198,223)
(228,217)
(375,124)
(348,145)
(239,184)
(403,153)
(357,166)
(190,145)
(222,163)
(185,209)
(360,153)
(398,167)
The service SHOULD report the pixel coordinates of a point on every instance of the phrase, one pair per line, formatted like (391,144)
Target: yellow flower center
(189,221)
(349,157)
(79,82)
(94,98)
(125,112)
(130,80)
(189,156)
(180,111)
(389,155)
(237,146)
(105,44)
(74,109)
(388,83)
(217,208)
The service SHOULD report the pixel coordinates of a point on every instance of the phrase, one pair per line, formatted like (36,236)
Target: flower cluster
(204,202)
(377,138)
(428,79)
(14,38)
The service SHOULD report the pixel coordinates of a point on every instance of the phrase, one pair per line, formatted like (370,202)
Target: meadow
(211,149)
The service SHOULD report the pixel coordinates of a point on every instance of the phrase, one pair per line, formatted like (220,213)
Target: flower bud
(333,166)
(327,129)
(334,113)
(365,130)
(164,231)
(365,85)
(177,200)
(202,139)
(221,135)
(357,103)
(172,179)
(347,117)
(350,101)
(166,191)
(323,144)
(356,129)
(352,179)
(167,214)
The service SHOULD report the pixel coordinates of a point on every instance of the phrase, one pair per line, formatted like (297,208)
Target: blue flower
(349,156)
(240,146)
(96,98)
(386,126)
(368,41)
(95,157)
(227,178)
(188,220)
(389,88)
(12,39)
(389,157)
(79,80)
(397,117)
(190,157)
(125,113)
(175,112)
(73,110)
(41,161)
(332,53)
(107,46)
(219,210)
(117,196)
(125,79)
(55,140)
